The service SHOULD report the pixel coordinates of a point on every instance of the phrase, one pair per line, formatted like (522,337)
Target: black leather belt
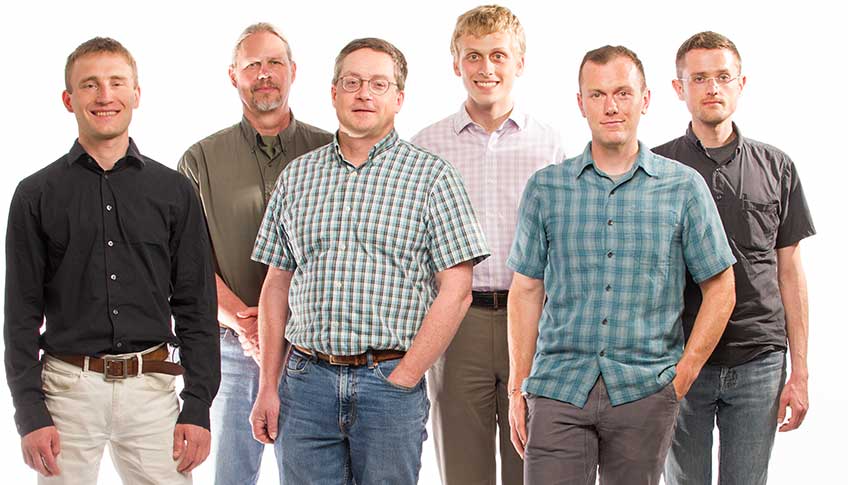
(494,300)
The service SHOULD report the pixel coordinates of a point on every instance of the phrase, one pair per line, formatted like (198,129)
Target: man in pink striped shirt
(496,147)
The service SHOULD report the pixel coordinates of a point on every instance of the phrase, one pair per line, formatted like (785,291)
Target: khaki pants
(135,416)
(468,390)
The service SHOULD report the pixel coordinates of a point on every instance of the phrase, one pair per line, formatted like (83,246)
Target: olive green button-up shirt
(235,178)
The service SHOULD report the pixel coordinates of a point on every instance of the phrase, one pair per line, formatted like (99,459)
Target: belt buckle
(333,361)
(108,362)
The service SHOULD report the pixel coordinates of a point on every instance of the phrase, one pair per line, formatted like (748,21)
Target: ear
(333,94)
(137,96)
(678,88)
(232,73)
(400,98)
(646,100)
(580,105)
(520,68)
(66,100)
(742,81)
(293,71)
(456,67)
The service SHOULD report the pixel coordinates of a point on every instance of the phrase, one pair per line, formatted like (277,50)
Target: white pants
(135,416)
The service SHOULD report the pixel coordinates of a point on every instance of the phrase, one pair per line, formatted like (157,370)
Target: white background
(794,98)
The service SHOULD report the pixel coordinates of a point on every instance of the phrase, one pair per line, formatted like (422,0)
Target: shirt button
(347,208)
(609,222)
(110,243)
(602,353)
(604,321)
(342,246)
(115,311)
(612,192)
(718,197)
(119,345)
(608,288)
(609,254)
(108,207)
(339,286)
(113,276)
(354,174)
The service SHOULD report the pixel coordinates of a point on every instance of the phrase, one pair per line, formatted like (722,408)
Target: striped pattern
(495,167)
(365,243)
(613,256)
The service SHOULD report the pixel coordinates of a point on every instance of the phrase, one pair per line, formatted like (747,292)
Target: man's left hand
(794,396)
(191,446)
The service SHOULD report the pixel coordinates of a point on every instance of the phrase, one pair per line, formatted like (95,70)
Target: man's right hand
(40,449)
(264,416)
(518,422)
(248,331)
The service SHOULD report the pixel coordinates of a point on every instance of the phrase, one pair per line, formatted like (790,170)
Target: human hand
(264,416)
(518,422)
(40,449)
(191,446)
(248,332)
(795,397)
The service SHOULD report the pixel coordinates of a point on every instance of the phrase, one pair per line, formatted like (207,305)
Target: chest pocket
(646,237)
(756,224)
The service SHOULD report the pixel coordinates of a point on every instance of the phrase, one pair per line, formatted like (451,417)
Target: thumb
(781,408)
(54,445)
(179,444)
(272,425)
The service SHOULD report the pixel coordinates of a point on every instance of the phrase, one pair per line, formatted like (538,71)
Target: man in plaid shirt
(603,244)
(370,241)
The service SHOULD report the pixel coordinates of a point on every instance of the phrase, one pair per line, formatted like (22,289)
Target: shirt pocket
(757,223)
(647,236)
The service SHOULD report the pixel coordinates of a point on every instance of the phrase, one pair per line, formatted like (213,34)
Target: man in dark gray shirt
(234,171)
(761,203)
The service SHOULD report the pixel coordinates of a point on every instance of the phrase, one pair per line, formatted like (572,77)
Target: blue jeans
(349,425)
(743,402)
(236,454)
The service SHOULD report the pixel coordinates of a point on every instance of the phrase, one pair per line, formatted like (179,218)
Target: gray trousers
(468,390)
(628,442)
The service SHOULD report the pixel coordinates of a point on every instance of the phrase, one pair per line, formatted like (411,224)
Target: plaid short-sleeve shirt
(613,257)
(365,243)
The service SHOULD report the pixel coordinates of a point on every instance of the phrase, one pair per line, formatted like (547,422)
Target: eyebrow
(95,78)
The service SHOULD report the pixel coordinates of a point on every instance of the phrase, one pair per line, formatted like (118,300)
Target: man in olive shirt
(234,171)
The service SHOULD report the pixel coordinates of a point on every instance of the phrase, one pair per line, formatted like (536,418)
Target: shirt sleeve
(705,248)
(26,254)
(194,307)
(796,223)
(455,235)
(529,252)
(272,246)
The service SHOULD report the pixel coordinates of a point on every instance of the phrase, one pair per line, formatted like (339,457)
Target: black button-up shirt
(105,258)
(762,206)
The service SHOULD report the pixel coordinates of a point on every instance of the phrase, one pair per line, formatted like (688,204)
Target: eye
(380,84)
(252,65)
(89,85)
(699,79)
(595,95)
(498,56)
(473,57)
(117,83)
(350,83)
(724,78)
(277,62)
(624,94)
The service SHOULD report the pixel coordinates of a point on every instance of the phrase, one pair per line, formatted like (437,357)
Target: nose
(488,67)
(712,85)
(610,107)
(104,93)
(364,90)
(264,71)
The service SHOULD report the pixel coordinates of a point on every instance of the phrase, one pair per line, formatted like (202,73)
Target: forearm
(228,304)
(440,324)
(719,298)
(793,293)
(273,314)
(526,299)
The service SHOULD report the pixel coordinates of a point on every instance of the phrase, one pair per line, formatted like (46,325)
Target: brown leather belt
(354,360)
(122,367)
(494,300)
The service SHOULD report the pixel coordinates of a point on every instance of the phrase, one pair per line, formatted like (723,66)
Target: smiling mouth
(104,114)
(486,84)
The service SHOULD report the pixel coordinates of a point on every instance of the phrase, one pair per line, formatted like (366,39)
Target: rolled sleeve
(705,248)
(271,246)
(529,252)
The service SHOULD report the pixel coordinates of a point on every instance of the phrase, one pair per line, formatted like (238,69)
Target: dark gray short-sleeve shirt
(762,206)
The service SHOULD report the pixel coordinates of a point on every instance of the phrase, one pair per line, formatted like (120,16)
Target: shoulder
(671,149)
(435,131)
(35,184)
(221,142)
(310,132)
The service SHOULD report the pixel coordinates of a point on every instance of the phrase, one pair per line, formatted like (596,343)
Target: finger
(272,423)
(259,432)
(27,458)
(49,462)
(796,418)
(55,447)
(516,441)
(187,463)
(248,312)
(37,463)
(783,403)
(179,443)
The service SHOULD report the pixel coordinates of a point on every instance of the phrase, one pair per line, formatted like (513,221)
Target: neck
(269,123)
(106,152)
(714,136)
(490,117)
(355,149)
(615,159)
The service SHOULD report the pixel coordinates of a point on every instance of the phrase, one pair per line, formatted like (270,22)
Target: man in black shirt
(765,215)
(104,246)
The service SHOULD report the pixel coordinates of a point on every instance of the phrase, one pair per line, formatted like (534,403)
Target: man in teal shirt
(602,246)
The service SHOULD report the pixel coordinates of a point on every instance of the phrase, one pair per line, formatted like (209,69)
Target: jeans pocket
(56,380)
(390,366)
(160,382)
(298,363)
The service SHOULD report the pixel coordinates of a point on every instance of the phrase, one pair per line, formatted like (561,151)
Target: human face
(488,66)
(263,73)
(710,103)
(612,100)
(363,114)
(102,97)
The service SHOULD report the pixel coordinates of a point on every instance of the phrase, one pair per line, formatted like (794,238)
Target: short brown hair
(485,20)
(705,40)
(605,54)
(255,29)
(378,45)
(98,45)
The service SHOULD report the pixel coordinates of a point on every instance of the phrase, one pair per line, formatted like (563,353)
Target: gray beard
(266,105)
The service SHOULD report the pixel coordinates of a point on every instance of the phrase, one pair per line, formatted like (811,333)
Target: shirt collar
(462,119)
(78,153)
(381,146)
(252,136)
(692,138)
(644,160)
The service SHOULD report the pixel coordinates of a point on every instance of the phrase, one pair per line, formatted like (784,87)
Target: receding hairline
(259,28)
(643,82)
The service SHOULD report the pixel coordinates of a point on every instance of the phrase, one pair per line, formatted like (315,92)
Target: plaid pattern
(365,243)
(613,256)
(495,167)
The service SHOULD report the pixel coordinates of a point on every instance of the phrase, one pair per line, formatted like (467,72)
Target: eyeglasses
(721,79)
(376,85)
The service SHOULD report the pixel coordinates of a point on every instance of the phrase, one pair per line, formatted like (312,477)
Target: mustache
(264,84)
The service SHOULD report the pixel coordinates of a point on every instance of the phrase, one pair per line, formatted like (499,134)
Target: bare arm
(439,326)
(526,298)
(719,298)
(273,313)
(793,292)
(242,319)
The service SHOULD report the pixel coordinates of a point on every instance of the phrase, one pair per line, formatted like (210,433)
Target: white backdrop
(793,99)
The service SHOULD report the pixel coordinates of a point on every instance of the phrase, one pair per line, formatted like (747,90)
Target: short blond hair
(485,20)
(98,45)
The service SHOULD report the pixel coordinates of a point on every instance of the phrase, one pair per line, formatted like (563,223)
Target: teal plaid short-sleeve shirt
(613,257)
(365,243)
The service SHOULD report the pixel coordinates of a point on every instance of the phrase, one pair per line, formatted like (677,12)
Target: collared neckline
(644,160)
(77,153)
(462,119)
(692,138)
(386,143)
(285,137)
